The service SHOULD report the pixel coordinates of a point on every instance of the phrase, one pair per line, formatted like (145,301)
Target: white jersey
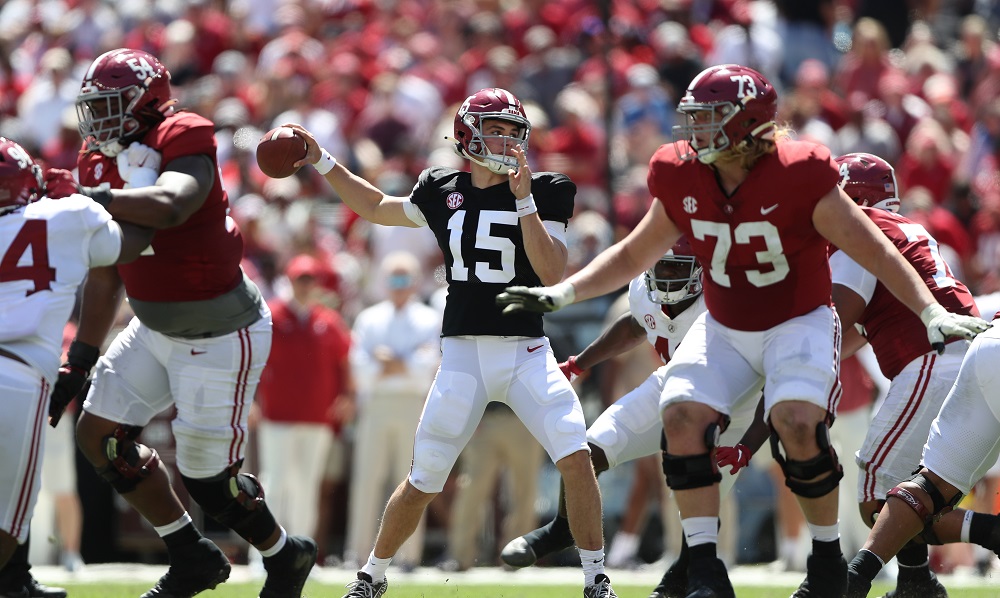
(46,249)
(662,331)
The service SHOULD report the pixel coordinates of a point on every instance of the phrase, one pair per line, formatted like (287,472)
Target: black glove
(73,376)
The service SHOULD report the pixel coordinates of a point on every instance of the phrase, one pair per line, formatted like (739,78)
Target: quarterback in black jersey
(498,225)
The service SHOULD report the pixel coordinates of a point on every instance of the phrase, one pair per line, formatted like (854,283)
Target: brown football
(278,150)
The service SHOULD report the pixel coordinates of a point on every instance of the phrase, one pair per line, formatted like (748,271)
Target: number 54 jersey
(46,248)
(480,235)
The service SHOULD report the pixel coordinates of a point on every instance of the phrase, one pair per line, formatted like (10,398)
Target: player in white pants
(46,248)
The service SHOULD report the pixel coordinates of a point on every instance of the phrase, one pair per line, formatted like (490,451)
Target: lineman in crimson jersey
(199,339)
(920,378)
(46,248)
(497,224)
(663,303)
(758,209)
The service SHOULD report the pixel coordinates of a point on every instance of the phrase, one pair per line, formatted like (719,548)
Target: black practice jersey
(479,233)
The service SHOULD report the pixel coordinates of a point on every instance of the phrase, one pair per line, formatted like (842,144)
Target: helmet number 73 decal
(774,256)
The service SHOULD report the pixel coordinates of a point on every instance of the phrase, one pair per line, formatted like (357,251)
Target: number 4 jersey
(479,233)
(764,261)
(46,248)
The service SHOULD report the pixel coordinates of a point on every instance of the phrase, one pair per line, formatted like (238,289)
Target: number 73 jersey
(764,261)
(480,235)
(46,248)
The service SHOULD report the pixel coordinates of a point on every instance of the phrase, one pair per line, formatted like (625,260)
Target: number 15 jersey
(480,235)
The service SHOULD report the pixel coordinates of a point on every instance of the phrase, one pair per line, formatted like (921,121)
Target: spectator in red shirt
(305,390)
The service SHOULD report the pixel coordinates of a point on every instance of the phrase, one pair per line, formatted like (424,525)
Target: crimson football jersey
(896,334)
(765,262)
(198,259)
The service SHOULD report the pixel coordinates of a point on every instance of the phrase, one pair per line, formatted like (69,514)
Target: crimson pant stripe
(21,512)
(900,425)
(239,396)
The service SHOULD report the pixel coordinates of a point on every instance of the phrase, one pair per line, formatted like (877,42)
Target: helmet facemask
(478,148)
(107,118)
(673,279)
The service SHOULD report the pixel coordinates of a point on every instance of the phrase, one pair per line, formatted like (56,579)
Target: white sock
(824,533)
(593,564)
(170,528)
(375,567)
(623,547)
(701,530)
(277,545)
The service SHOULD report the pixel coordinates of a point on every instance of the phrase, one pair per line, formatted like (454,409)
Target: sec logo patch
(454,200)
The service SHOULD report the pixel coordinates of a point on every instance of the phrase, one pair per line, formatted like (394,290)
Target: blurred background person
(394,355)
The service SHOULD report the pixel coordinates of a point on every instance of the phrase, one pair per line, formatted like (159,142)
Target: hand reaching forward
(536,299)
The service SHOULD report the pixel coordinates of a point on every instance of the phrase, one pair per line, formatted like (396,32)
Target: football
(278,150)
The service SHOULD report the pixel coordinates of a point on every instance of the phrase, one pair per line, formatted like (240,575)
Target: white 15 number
(484,240)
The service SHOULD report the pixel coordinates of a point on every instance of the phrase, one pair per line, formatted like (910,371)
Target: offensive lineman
(497,224)
(199,340)
(758,209)
(46,248)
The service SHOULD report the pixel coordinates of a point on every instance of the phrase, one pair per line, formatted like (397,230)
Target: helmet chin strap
(496,165)
(112,149)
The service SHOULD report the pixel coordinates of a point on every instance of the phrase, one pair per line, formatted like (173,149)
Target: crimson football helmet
(487,104)
(869,181)
(674,277)
(124,93)
(725,106)
(20,178)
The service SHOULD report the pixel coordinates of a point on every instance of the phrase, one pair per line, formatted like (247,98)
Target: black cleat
(673,584)
(201,568)
(28,587)
(708,578)
(524,551)
(928,588)
(288,570)
(857,586)
(826,577)
(364,587)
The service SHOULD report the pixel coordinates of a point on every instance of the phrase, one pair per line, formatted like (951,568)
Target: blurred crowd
(379,81)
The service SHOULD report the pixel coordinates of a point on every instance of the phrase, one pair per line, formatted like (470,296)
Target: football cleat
(28,587)
(857,586)
(288,570)
(601,588)
(527,549)
(202,568)
(364,587)
(708,578)
(674,582)
(826,577)
(927,588)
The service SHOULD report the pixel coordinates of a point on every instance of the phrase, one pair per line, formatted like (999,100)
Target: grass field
(448,590)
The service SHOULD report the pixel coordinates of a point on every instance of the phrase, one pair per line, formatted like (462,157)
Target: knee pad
(904,492)
(235,500)
(695,471)
(796,471)
(128,461)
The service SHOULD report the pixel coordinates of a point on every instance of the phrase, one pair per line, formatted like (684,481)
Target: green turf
(315,590)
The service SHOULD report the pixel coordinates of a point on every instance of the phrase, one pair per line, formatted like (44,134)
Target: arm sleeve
(850,274)
(414,214)
(556,230)
(105,245)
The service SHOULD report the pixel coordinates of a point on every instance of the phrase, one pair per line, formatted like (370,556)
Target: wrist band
(98,194)
(525,206)
(325,163)
(82,356)
(575,369)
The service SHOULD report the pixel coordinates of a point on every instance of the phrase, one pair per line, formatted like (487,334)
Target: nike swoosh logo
(766,211)
(194,352)
(533,349)
(695,534)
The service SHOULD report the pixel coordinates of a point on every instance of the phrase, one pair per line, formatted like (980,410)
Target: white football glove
(536,299)
(941,324)
(139,166)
